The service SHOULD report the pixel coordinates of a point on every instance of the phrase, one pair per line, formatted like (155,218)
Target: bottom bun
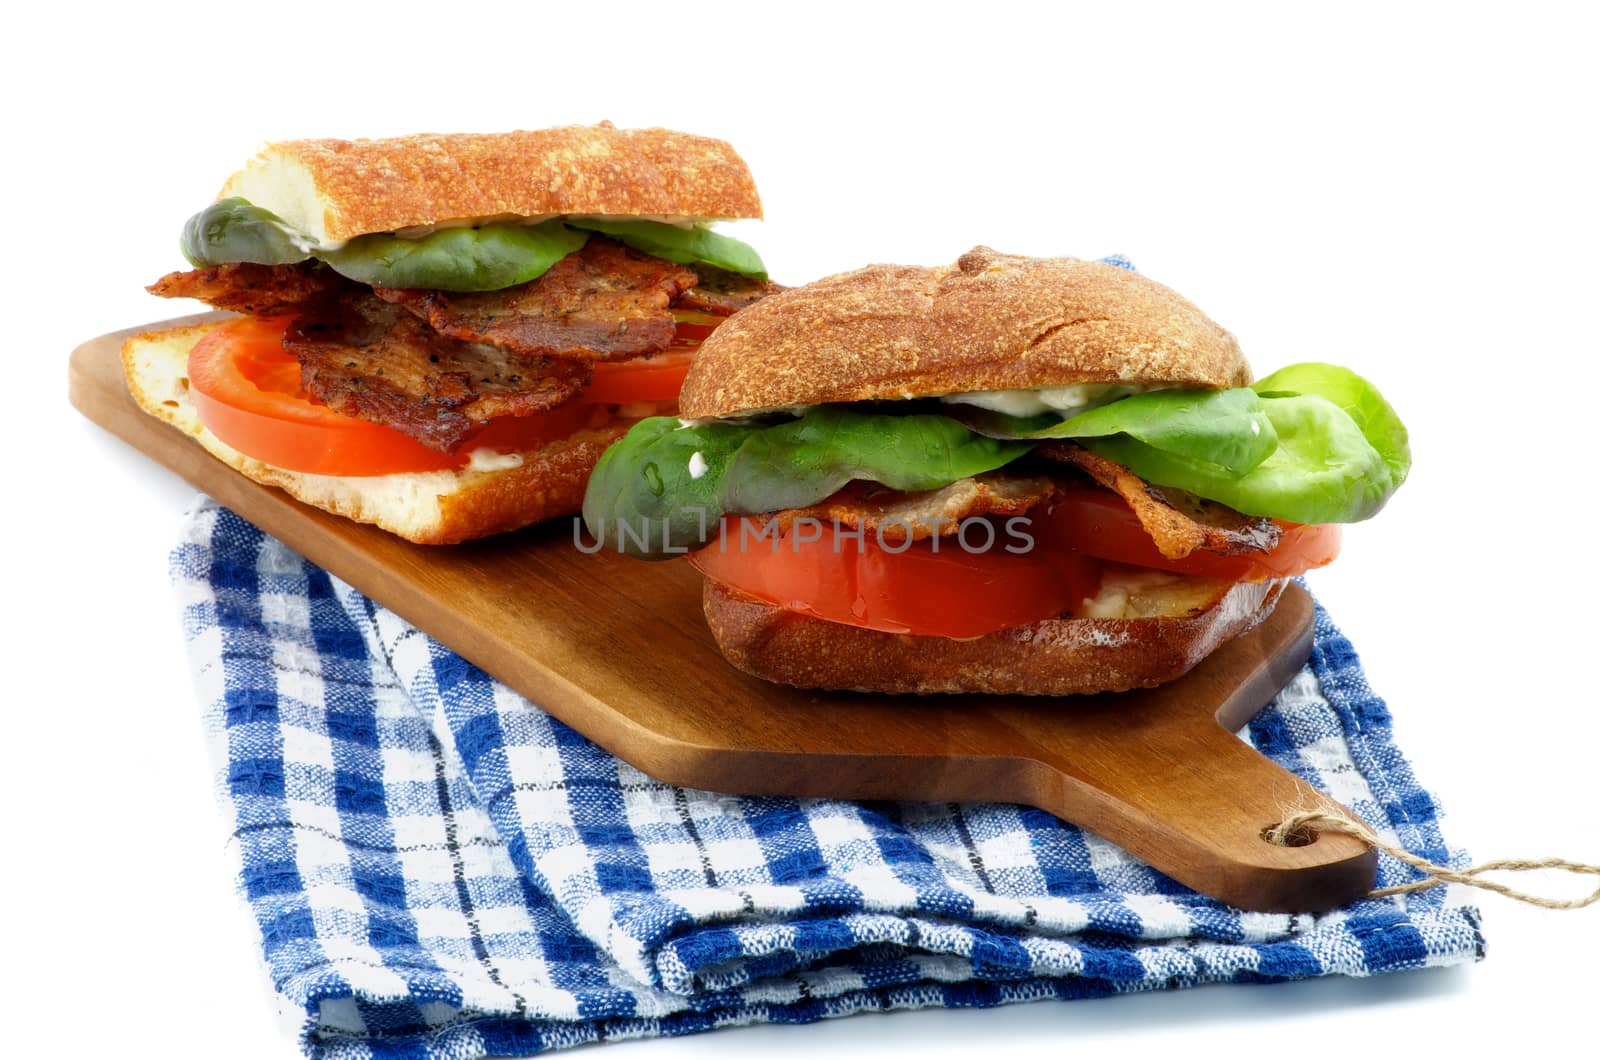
(1177,622)
(428,507)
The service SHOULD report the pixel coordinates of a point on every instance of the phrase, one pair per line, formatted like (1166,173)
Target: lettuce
(645,498)
(799,462)
(687,246)
(1378,422)
(484,258)
(1312,443)
(235,230)
(1341,452)
(1228,429)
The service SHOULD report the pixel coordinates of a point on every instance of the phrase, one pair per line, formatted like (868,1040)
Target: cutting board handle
(1178,789)
(1202,824)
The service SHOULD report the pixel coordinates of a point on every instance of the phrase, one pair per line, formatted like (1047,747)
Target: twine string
(1299,828)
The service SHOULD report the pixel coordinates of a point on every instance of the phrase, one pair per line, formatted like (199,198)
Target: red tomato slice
(655,378)
(246,389)
(927,589)
(953,592)
(1097,522)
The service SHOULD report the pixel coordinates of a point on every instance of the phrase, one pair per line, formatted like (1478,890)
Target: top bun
(990,322)
(334,190)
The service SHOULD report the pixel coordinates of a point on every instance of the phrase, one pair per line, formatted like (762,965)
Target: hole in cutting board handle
(1300,837)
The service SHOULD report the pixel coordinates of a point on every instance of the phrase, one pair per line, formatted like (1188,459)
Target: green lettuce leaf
(1359,399)
(1311,444)
(1341,452)
(1226,428)
(687,246)
(645,500)
(236,230)
(793,464)
(486,258)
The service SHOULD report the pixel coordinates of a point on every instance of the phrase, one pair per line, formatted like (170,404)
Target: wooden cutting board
(618,649)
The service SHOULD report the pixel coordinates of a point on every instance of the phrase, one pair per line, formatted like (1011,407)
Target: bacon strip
(261,290)
(605,301)
(724,293)
(1178,521)
(894,515)
(436,365)
(366,358)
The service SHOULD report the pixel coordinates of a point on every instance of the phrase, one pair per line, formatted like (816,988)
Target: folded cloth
(439,868)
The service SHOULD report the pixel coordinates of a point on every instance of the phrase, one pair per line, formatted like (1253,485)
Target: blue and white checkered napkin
(439,868)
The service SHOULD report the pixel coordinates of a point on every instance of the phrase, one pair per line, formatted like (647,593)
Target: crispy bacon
(1178,521)
(366,358)
(435,365)
(605,301)
(893,515)
(724,293)
(262,290)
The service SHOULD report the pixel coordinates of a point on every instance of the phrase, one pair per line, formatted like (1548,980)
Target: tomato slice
(928,588)
(1097,522)
(246,389)
(655,378)
(951,591)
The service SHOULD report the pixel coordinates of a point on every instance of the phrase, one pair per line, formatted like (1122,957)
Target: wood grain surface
(618,649)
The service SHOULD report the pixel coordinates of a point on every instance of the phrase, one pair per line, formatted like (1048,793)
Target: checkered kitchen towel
(440,869)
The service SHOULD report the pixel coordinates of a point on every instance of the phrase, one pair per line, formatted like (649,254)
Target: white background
(1407,191)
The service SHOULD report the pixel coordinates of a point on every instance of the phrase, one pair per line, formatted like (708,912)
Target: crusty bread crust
(334,190)
(1055,657)
(428,507)
(990,322)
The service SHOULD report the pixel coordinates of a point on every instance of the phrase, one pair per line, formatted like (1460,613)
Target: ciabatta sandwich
(440,334)
(1008,475)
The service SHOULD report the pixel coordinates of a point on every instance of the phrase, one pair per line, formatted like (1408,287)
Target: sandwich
(440,334)
(1007,475)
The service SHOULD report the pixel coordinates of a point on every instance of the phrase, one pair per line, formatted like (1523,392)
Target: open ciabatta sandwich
(1009,475)
(440,334)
